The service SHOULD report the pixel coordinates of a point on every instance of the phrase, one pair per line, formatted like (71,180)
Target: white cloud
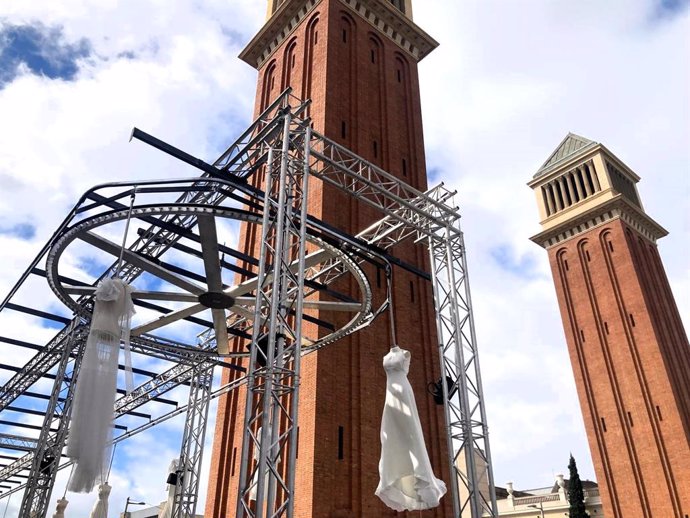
(508,81)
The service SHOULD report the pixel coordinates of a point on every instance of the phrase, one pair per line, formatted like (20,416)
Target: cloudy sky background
(509,80)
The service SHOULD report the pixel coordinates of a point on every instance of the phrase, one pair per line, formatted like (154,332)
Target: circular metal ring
(336,259)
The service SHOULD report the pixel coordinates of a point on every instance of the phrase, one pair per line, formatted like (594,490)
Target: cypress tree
(576,495)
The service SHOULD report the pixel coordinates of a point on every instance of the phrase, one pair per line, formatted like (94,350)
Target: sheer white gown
(407,479)
(90,432)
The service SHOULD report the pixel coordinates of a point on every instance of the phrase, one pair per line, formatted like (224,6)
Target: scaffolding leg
(472,484)
(268,458)
(44,468)
(192,450)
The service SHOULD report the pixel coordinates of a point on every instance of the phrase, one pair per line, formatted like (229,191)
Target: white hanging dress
(91,426)
(407,479)
(100,508)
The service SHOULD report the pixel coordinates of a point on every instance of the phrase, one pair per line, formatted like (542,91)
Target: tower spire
(356,60)
(628,348)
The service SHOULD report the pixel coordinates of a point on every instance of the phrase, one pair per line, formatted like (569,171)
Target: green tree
(576,495)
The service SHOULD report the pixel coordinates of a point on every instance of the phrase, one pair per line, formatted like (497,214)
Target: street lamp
(541,508)
(128,503)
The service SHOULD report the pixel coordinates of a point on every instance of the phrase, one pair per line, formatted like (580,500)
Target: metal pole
(46,460)
(439,297)
(294,410)
(242,508)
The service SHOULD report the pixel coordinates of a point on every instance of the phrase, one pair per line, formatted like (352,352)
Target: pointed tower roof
(569,146)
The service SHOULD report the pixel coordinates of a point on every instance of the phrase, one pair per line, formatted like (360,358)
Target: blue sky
(498,95)
(42,50)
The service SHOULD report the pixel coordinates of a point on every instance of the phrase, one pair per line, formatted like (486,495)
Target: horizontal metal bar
(22,410)
(52,377)
(177,153)
(5,422)
(185,232)
(197,253)
(20,343)
(38,313)
(195,320)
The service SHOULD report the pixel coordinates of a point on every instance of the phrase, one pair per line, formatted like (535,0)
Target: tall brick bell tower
(357,61)
(628,348)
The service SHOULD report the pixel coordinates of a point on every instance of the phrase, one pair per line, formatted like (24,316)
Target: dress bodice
(397,360)
(112,302)
(104,491)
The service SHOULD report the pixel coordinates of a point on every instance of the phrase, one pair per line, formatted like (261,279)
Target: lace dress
(407,479)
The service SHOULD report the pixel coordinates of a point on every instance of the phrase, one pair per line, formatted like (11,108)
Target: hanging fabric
(166,510)
(407,479)
(90,433)
(60,510)
(100,508)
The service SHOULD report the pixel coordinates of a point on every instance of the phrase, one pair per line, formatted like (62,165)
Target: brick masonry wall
(365,95)
(631,361)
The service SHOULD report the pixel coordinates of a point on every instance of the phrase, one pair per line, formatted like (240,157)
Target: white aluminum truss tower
(268,307)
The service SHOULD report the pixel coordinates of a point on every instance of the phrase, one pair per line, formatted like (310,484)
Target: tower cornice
(614,208)
(400,29)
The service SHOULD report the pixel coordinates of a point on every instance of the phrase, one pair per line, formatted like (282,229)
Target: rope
(7,505)
(124,238)
(389,290)
(110,467)
(71,471)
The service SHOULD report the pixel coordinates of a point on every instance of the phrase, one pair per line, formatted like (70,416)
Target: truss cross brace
(46,458)
(191,453)
(270,420)
(469,454)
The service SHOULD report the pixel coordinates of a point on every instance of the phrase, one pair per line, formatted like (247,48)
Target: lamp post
(127,504)
(541,508)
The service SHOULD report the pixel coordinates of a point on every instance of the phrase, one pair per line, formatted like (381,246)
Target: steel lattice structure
(268,305)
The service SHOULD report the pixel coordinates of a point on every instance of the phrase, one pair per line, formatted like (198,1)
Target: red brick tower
(357,61)
(628,348)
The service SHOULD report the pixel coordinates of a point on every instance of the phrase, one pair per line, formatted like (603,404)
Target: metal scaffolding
(266,308)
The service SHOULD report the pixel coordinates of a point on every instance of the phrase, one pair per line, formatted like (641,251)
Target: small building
(545,502)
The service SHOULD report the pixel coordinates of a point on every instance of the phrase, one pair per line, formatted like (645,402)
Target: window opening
(411,291)
(606,327)
(232,463)
(630,420)
(373,56)
(589,179)
(632,320)
(376,149)
(404,167)
(343,129)
(603,423)
(344,35)
(341,433)
(658,413)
